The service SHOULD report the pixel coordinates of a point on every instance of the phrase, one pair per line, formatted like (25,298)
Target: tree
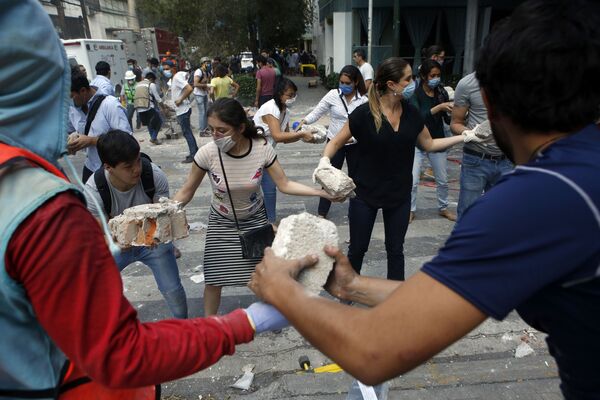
(226,28)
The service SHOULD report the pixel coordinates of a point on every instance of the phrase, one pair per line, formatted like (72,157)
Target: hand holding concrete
(341,278)
(335,181)
(478,133)
(264,317)
(324,162)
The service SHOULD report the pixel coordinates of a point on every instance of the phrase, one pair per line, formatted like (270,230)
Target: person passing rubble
(273,121)
(386,129)
(511,249)
(61,293)
(339,103)
(246,156)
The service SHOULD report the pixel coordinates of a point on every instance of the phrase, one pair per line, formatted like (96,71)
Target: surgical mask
(346,88)
(225,143)
(409,90)
(130,83)
(130,67)
(167,74)
(433,83)
(289,102)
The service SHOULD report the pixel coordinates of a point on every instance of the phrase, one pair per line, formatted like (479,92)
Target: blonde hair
(391,69)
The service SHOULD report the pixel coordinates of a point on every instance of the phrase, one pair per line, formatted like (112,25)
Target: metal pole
(86,24)
(470,36)
(370,31)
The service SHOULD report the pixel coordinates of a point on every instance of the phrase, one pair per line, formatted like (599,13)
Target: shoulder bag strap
(344,103)
(92,113)
(229,192)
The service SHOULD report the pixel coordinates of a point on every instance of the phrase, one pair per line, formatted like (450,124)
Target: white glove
(324,163)
(478,133)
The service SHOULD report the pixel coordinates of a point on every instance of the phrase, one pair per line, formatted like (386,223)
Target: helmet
(129,76)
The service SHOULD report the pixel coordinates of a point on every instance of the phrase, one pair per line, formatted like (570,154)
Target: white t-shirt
(176,86)
(366,71)
(270,108)
(197,91)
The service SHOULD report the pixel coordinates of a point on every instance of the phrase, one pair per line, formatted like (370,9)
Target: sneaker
(155,141)
(411,217)
(448,215)
(177,252)
(188,160)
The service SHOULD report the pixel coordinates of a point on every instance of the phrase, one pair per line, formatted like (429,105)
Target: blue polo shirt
(532,243)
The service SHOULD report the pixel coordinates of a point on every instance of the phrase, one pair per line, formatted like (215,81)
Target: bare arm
(458,123)
(258,89)
(418,320)
(338,141)
(368,83)
(198,83)
(236,88)
(281,137)
(431,145)
(194,179)
(290,187)
(187,90)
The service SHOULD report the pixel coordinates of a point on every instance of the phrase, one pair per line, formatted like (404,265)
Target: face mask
(408,91)
(130,83)
(130,67)
(345,88)
(167,74)
(433,82)
(289,102)
(225,143)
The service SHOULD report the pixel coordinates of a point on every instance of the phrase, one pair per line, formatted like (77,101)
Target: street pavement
(480,366)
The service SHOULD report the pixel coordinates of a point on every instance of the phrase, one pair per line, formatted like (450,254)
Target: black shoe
(188,160)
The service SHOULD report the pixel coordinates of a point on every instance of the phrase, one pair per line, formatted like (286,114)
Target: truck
(88,52)
(151,42)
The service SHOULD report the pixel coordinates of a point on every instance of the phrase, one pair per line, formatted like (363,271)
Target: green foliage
(247,92)
(332,80)
(321,71)
(223,28)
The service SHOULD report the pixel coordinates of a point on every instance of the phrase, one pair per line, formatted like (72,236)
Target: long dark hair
(355,76)
(231,112)
(430,51)
(391,69)
(282,85)
(426,68)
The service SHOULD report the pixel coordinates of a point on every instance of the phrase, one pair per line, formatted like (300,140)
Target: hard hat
(129,75)
(204,59)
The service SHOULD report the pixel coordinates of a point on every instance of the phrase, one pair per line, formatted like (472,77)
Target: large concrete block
(335,182)
(149,224)
(304,234)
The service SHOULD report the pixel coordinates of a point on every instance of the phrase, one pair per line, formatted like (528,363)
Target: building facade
(403,27)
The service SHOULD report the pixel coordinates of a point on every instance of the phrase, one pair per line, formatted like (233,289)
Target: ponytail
(375,105)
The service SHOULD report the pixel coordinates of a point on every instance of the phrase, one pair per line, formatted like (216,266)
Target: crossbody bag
(254,241)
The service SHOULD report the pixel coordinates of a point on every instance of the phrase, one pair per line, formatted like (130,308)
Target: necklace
(541,146)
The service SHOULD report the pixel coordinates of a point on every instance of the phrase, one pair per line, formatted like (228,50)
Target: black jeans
(361,217)
(337,161)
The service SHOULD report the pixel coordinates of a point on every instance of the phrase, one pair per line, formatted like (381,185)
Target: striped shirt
(244,174)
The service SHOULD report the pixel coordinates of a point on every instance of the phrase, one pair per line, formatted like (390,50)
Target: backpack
(147,178)
(142,95)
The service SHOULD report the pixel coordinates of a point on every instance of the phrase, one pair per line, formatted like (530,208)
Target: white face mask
(225,143)
(289,102)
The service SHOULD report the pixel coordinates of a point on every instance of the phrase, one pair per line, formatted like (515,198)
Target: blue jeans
(361,217)
(270,194)
(186,127)
(202,103)
(478,175)
(161,260)
(130,111)
(439,164)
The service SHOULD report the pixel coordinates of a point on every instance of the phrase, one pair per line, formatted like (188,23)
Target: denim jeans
(478,175)
(361,217)
(202,103)
(154,124)
(186,127)
(161,260)
(337,161)
(130,111)
(270,193)
(439,164)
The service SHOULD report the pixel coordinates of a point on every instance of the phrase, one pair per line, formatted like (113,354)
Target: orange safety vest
(75,385)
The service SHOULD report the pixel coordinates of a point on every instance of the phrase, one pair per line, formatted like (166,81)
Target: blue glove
(265,317)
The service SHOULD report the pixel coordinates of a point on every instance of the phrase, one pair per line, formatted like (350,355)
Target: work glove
(264,317)
(324,163)
(478,133)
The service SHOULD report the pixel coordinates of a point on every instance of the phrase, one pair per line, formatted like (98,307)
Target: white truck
(88,52)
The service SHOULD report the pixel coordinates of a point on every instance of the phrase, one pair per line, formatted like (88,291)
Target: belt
(483,155)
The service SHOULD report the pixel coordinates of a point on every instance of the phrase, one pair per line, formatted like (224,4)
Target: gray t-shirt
(130,198)
(467,94)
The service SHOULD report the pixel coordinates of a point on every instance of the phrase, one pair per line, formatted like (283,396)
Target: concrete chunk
(335,182)
(149,224)
(304,234)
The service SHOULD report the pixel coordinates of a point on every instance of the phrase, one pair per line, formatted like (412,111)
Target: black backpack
(147,178)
